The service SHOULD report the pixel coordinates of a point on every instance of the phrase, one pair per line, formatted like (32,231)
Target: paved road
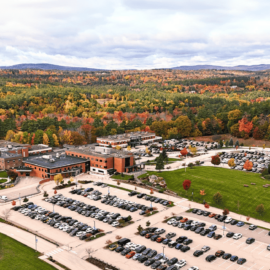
(25,187)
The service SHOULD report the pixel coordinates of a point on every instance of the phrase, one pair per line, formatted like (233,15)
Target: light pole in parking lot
(53,207)
(163,252)
(94,224)
(36,240)
(108,190)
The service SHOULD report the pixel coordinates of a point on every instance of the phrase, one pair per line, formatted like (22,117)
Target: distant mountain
(241,67)
(48,67)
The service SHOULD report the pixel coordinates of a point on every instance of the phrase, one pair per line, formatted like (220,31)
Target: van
(123,241)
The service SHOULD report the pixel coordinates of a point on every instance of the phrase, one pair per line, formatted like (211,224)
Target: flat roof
(126,136)
(91,151)
(39,161)
(7,155)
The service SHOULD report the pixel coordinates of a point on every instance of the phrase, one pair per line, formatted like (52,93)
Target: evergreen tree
(231,142)
(160,163)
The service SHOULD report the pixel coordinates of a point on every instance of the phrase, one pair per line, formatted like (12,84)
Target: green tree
(160,163)
(148,223)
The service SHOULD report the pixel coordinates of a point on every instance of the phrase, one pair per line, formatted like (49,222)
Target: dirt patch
(101,264)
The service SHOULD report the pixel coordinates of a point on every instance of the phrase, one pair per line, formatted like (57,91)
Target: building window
(100,160)
(100,166)
(105,161)
(96,159)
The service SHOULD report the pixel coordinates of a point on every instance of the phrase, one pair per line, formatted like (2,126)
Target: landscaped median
(207,181)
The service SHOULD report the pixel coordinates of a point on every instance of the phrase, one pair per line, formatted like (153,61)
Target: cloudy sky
(141,34)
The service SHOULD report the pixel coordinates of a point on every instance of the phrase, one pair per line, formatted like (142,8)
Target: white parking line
(256,247)
(247,247)
(251,266)
(261,231)
(261,268)
(262,251)
(231,265)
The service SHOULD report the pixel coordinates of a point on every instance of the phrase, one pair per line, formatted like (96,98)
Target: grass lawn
(120,177)
(3,174)
(228,182)
(170,161)
(14,256)
(3,180)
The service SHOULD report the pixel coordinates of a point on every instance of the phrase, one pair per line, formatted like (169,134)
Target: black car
(187,227)
(185,248)
(146,251)
(119,249)
(166,241)
(227,256)
(143,233)
(187,241)
(210,258)
(206,213)
(217,216)
(204,232)
(250,240)
(172,261)
(125,251)
(198,253)
(178,246)
(140,249)
(194,211)
(142,259)
(153,229)
(241,260)
(156,264)
(181,239)
(230,234)
(199,230)
(234,258)
(149,262)
(154,237)
(152,253)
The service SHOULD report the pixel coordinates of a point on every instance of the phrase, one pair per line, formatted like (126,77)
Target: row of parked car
(125,204)
(87,210)
(196,226)
(259,160)
(149,198)
(148,256)
(57,221)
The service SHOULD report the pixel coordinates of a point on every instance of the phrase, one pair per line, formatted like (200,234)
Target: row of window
(94,159)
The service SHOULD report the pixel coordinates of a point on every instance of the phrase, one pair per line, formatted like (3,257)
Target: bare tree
(6,214)
(89,251)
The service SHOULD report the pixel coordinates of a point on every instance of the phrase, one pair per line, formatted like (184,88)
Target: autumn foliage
(215,160)
(184,152)
(248,165)
(186,184)
(245,125)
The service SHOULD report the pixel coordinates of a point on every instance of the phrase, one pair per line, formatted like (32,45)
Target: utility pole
(163,252)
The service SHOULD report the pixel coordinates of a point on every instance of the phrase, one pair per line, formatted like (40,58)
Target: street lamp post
(163,252)
(53,207)
(36,240)
(94,224)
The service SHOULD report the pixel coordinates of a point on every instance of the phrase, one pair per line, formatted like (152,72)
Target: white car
(164,260)
(237,236)
(4,198)
(228,220)
(194,223)
(114,224)
(181,263)
(129,244)
(171,221)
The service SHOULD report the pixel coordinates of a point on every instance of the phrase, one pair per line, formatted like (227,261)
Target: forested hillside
(56,107)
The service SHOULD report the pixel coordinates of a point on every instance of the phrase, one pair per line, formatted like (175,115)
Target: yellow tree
(10,135)
(231,162)
(58,178)
(46,139)
(55,139)
(118,147)
(193,150)
(129,148)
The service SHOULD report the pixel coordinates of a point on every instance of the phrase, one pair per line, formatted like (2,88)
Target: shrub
(25,199)
(260,209)
(197,163)
(190,165)
(264,172)
(45,194)
(217,197)
(267,177)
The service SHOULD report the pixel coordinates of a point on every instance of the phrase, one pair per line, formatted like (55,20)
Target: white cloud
(117,34)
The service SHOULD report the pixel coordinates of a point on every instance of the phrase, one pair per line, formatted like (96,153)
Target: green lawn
(228,182)
(120,177)
(170,161)
(3,174)
(3,180)
(15,256)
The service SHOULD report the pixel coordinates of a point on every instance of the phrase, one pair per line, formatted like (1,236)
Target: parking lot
(256,254)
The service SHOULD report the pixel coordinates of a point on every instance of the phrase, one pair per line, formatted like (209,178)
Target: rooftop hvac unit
(9,146)
(57,155)
(52,160)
